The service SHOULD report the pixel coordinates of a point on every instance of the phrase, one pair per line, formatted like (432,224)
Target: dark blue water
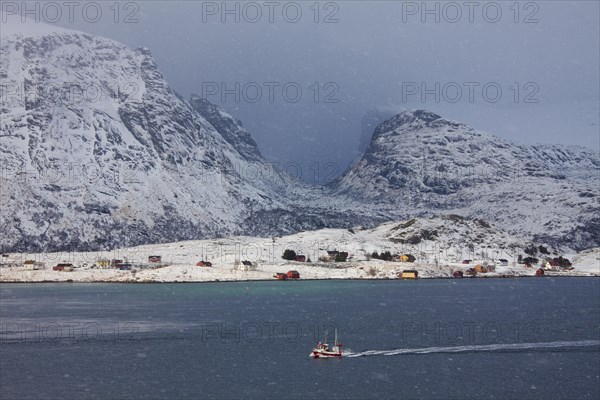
(521,338)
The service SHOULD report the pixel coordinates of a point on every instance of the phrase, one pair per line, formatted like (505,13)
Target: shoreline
(194,262)
(157,282)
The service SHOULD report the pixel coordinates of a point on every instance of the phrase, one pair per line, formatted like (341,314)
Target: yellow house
(103,263)
(480,269)
(404,258)
(409,274)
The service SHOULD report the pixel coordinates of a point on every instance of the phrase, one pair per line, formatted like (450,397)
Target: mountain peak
(423,115)
(414,119)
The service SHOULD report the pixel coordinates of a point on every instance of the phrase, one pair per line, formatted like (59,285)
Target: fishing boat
(323,350)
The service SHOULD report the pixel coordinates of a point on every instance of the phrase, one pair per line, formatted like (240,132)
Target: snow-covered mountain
(421,163)
(97,151)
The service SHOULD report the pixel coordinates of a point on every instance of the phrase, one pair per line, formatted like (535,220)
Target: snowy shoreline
(371,270)
(453,250)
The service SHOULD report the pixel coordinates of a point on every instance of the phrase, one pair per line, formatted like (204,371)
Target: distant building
(293,274)
(125,266)
(103,263)
(63,267)
(301,258)
(154,259)
(203,264)
(245,265)
(409,274)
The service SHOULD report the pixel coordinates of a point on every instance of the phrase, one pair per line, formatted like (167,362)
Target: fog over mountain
(361,56)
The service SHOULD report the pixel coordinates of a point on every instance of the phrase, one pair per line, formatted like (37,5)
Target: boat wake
(477,348)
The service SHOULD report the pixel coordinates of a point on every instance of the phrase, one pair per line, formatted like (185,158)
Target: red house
(457,274)
(154,259)
(280,276)
(203,264)
(301,258)
(539,272)
(63,267)
(293,275)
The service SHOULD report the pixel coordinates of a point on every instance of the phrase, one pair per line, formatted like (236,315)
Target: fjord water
(518,338)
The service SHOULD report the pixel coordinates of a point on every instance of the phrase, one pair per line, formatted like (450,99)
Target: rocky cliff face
(98,150)
(424,164)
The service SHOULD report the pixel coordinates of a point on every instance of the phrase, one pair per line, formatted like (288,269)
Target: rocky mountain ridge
(98,151)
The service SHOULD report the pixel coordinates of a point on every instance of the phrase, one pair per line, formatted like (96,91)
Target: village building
(409,274)
(154,259)
(245,265)
(103,263)
(204,264)
(293,274)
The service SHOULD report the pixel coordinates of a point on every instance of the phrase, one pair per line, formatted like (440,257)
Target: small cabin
(471,272)
(293,274)
(63,267)
(103,263)
(466,261)
(503,262)
(409,274)
(480,269)
(245,265)
(203,264)
(125,266)
(301,258)
(539,272)
(457,274)
(280,276)
(154,259)
(29,263)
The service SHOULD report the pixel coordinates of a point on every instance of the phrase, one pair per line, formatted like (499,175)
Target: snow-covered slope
(97,150)
(438,244)
(424,164)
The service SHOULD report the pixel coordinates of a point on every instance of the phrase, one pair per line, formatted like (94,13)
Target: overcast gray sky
(348,57)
